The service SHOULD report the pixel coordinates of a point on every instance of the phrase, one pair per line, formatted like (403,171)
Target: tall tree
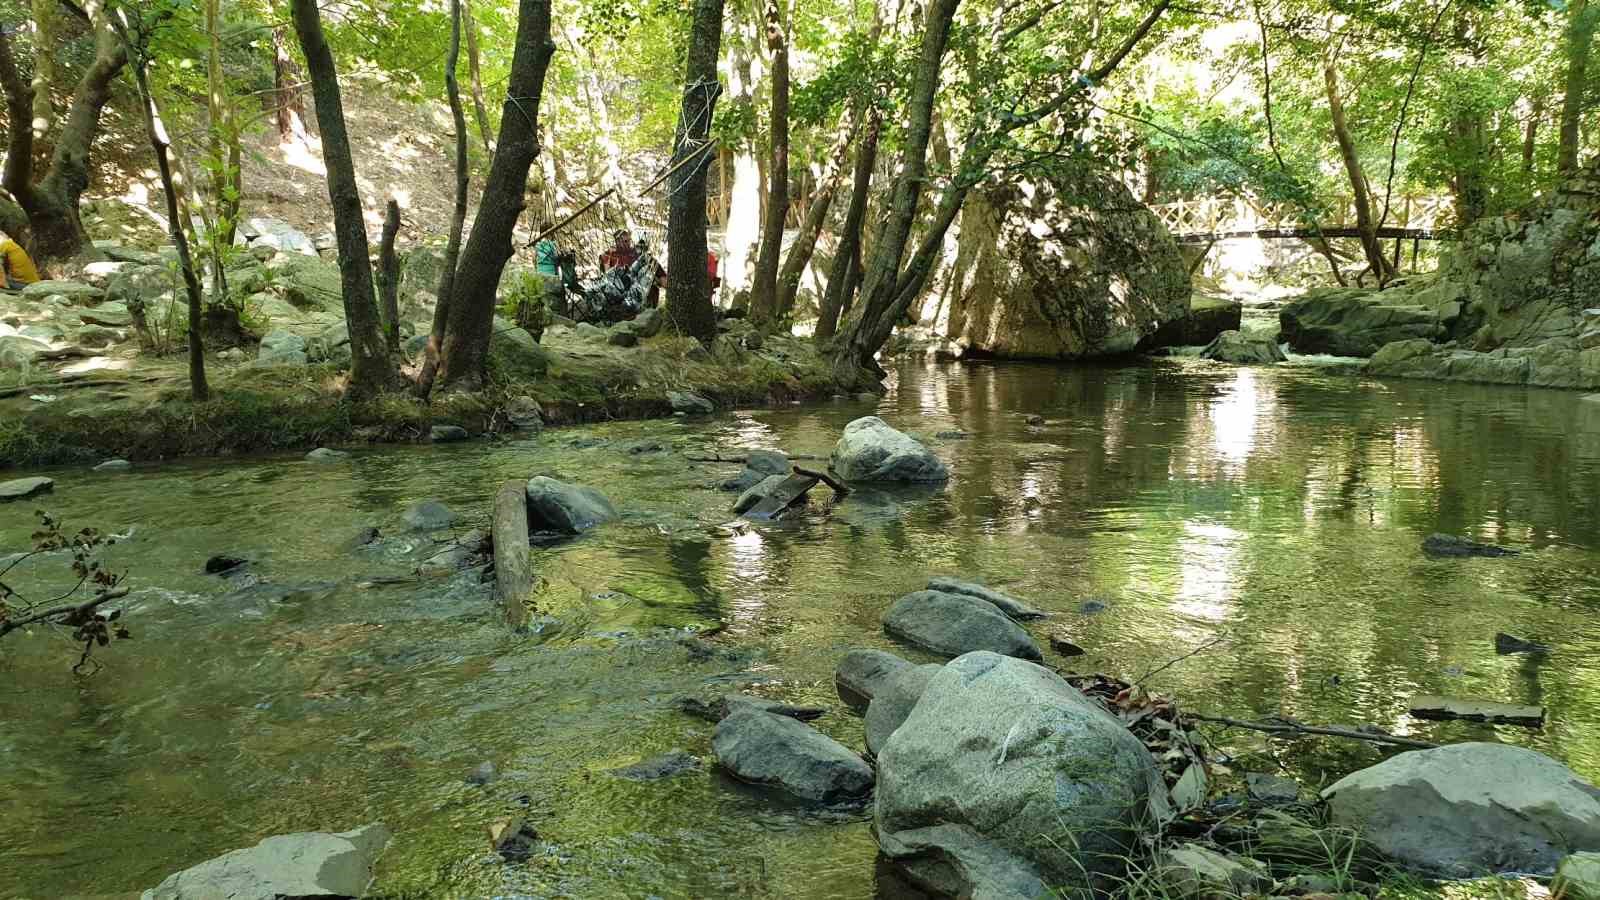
(1366,217)
(469,27)
(371,369)
(452,251)
(135,32)
(465,351)
(805,243)
(45,37)
(51,203)
(1580,39)
(844,276)
(764,286)
(689,308)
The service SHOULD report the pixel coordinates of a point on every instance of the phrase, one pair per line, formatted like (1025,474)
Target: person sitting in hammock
(622,253)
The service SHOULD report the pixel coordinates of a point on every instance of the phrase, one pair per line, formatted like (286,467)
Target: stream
(1162,505)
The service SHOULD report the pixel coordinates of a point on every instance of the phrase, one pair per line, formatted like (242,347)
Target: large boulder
(890,706)
(1069,268)
(1356,322)
(953,624)
(861,675)
(1012,752)
(1011,606)
(762,748)
(1207,318)
(23,488)
(514,355)
(1243,349)
(310,864)
(78,292)
(308,282)
(282,348)
(1470,809)
(1578,877)
(565,508)
(264,231)
(17,352)
(869,450)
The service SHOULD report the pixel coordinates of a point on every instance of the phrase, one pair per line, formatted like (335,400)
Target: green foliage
(91,625)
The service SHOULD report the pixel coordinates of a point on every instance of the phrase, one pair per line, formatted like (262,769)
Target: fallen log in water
(1286,726)
(513,570)
(1428,706)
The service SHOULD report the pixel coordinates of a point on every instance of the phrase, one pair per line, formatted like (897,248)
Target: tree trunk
(805,243)
(56,232)
(465,351)
(1580,37)
(1530,135)
(764,287)
(742,226)
(198,389)
(1470,152)
(226,175)
(883,269)
(689,309)
(452,251)
(44,67)
(844,276)
(475,78)
(1371,247)
(371,368)
(389,278)
(289,102)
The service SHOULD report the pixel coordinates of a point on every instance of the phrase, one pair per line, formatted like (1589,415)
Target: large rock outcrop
(1470,809)
(1009,753)
(1071,268)
(1207,317)
(1356,322)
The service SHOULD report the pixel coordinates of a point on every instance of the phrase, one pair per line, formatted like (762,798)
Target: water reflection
(1282,509)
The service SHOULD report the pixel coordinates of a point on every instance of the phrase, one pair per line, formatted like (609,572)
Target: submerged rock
(326,455)
(444,434)
(955,861)
(894,701)
(1470,809)
(565,508)
(1006,603)
(310,864)
(1012,752)
(870,450)
(429,515)
(223,564)
(758,465)
(23,488)
(667,765)
(761,748)
(861,674)
(1449,545)
(513,840)
(953,624)
(114,465)
(1243,349)
(483,773)
(1505,644)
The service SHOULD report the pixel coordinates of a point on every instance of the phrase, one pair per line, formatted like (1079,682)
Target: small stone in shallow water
(1271,788)
(366,536)
(512,839)
(952,435)
(862,673)
(1035,420)
(1060,644)
(1506,644)
(222,564)
(667,765)
(114,465)
(326,454)
(483,774)
(445,434)
(429,515)
(1090,607)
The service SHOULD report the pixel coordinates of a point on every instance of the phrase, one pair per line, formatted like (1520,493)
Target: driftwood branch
(741,460)
(66,612)
(1287,726)
(839,489)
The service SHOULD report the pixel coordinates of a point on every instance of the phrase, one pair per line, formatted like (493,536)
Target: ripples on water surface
(1283,508)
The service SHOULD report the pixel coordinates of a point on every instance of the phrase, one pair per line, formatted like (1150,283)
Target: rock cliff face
(1070,268)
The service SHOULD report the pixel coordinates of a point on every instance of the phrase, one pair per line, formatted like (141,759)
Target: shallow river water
(1281,510)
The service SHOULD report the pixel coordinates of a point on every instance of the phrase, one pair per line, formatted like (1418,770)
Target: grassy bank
(145,413)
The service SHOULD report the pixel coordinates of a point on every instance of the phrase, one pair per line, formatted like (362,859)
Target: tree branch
(1288,726)
(69,612)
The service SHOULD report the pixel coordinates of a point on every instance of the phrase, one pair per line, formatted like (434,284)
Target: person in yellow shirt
(19,269)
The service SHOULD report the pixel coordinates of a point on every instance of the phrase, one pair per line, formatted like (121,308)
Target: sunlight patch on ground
(304,154)
(97,364)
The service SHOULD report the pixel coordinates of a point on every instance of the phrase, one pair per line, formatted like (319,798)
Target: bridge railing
(1240,214)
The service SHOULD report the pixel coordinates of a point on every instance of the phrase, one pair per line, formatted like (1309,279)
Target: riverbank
(144,413)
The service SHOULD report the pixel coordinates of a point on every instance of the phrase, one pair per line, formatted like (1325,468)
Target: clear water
(1282,508)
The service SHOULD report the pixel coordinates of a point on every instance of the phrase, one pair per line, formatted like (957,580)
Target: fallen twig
(68,613)
(839,489)
(1288,726)
(1170,663)
(741,460)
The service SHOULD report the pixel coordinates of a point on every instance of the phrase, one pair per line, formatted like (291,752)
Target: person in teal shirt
(545,253)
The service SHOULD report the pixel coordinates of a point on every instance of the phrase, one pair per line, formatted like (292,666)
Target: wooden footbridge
(1207,220)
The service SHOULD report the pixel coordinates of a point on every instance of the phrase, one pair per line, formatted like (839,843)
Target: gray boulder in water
(1010,751)
(890,706)
(762,748)
(429,515)
(1243,349)
(1470,809)
(869,450)
(566,508)
(758,464)
(310,864)
(861,674)
(1006,603)
(953,624)
(23,488)
(955,861)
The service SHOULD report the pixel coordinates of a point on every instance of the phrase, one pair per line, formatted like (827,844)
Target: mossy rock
(514,355)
